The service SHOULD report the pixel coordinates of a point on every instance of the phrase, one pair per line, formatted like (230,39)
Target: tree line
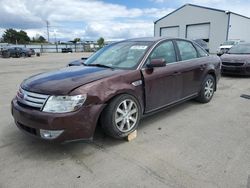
(13,36)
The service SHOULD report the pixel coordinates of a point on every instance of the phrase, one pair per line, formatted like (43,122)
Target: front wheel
(121,117)
(207,89)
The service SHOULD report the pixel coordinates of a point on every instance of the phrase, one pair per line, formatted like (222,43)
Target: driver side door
(162,84)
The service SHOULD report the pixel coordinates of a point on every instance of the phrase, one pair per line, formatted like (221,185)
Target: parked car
(237,60)
(67,50)
(32,51)
(224,47)
(78,62)
(202,43)
(17,52)
(118,85)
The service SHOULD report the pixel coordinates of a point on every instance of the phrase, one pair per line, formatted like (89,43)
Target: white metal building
(197,22)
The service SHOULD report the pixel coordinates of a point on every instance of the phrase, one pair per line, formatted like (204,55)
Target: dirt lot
(191,145)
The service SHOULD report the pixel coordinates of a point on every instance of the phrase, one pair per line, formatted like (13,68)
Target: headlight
(61,104)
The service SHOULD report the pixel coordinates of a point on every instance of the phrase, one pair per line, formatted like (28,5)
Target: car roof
(154,39)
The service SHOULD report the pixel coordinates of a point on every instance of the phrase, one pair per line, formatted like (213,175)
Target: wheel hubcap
(126,115)
(209,89)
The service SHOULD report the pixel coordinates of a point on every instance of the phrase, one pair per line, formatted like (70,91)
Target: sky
(91,19)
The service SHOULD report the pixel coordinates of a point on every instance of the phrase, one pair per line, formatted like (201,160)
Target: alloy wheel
(209,88)
(126,115)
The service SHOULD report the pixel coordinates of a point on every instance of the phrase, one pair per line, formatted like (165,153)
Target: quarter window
(187,50)
(201,52)
(164,51)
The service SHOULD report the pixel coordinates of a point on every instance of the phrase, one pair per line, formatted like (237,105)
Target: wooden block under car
(132,136)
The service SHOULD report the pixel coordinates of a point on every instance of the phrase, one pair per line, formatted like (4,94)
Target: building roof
(198,6)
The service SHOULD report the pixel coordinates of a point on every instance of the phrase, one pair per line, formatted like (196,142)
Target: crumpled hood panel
(61,82)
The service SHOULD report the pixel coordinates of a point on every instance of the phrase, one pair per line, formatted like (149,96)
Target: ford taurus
(115,88)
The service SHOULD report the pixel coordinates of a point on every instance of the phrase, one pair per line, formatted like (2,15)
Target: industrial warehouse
(197,22)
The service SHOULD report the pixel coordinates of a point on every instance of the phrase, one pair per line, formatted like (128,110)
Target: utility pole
(47,23)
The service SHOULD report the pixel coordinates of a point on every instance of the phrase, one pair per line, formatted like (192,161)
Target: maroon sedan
(237,60)
(116,87)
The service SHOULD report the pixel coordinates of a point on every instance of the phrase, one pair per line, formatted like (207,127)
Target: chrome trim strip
(31,104)
(36,100)
(31,99)
(137,83)
(36,95)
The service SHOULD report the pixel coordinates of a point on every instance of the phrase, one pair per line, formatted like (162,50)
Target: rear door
(162,83)
(192,67)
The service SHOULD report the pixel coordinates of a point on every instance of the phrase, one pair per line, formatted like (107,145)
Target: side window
(187,50)
(201,52)
(164,51)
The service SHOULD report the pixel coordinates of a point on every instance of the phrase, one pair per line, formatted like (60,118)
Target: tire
(23,55)
(207,89)
(17,55)
(121,117)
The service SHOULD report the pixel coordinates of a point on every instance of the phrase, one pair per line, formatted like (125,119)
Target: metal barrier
(53,48)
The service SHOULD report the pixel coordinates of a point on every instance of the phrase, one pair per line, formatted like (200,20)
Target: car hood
(63,81)
(236,58)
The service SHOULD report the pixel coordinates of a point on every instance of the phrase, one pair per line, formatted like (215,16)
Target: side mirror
(157,63)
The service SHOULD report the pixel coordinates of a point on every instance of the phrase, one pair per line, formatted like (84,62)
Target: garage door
(200,31)
(170,31)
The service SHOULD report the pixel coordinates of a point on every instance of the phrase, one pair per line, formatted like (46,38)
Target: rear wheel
(207,89)
(121,117)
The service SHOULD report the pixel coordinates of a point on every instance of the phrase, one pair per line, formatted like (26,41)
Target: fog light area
(49,134)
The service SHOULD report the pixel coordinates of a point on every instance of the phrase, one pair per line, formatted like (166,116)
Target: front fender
(102,91)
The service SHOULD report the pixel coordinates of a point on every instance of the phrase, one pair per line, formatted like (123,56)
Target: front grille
(31,99)
(27,129)
(232,64)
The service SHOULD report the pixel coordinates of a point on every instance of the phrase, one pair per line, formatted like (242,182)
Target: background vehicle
(117,85)
(17,52)
(67,50)
(78,62)
(32,51)
(203,44)
(227,45)
(237,60)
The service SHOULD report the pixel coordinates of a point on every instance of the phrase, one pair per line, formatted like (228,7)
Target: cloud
(238,6)
(90,19)
(85,19)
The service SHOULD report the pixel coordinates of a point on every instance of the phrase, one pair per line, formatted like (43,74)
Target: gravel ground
(190,145)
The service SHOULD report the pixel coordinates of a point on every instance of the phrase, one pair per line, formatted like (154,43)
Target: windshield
(229,43)
(240,49)
(124,55)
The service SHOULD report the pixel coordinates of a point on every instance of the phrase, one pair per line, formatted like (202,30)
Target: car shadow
(36,149)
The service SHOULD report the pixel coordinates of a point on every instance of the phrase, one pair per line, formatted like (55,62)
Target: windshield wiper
(99,65)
